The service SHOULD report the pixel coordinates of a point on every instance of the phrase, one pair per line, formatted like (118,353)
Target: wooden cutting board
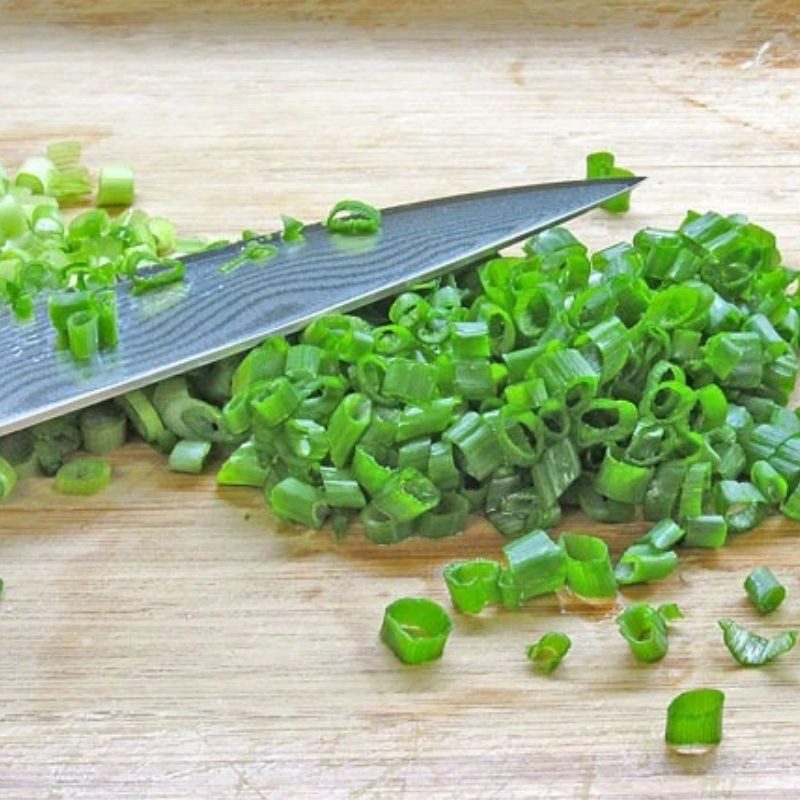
(168,640)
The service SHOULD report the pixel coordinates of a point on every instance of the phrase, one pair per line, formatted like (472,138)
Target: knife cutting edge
(211,315)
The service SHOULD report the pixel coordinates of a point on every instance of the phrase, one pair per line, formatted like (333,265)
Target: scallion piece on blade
(601,165)
(472,584)
(353,218)
(115,186)
(751,650)
(103,428)
(83,476)
(645,631)
(415,629)
(765,591)
(83,334)
(156,274)
(8,478)
(292,229)
(189,456)
(694,720)
(549,651)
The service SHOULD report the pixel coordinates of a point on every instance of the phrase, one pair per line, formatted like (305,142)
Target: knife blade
(211,315)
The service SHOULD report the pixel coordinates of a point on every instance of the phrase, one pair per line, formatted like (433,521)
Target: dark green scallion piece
(415,629)
(765,591)
(549,651)
(751,650)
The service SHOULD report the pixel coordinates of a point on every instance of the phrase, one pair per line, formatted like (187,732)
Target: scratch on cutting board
(731,119)
(758,60)
(516,71)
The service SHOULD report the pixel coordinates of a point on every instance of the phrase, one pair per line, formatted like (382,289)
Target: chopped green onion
(8,478)
(751,650)
(189,456)
(83,476)
(670,612)
(645,631)
(694,720)
(642,563)
(769,482)
(407,494)
(447,518)
(621,481)
(663,536)
(296,501)
(341,490)
(103,428)
(741,504)
(19,450)
(292,229)
(589,570)
(242,468)
(549,651)
(144,418)
(707,530)
(472,584)
(154,275)
(536,566)
(765,591)
(115,186)
(352,217)
(83,334)
(415,629)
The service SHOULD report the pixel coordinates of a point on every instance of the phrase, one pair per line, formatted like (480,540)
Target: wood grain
(168,640)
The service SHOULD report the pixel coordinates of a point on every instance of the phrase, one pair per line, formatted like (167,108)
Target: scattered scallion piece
(115,186)
(589,572)
(765,591)
(645,631)
(751,650)
(83,476)
(549,651)
(415,629)
(472,584)
(189,456)
(670,612)
(601,165)
(694,720)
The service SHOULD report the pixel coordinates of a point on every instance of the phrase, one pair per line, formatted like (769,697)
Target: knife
(211,315)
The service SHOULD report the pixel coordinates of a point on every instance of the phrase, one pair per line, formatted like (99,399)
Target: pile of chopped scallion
(647,379)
